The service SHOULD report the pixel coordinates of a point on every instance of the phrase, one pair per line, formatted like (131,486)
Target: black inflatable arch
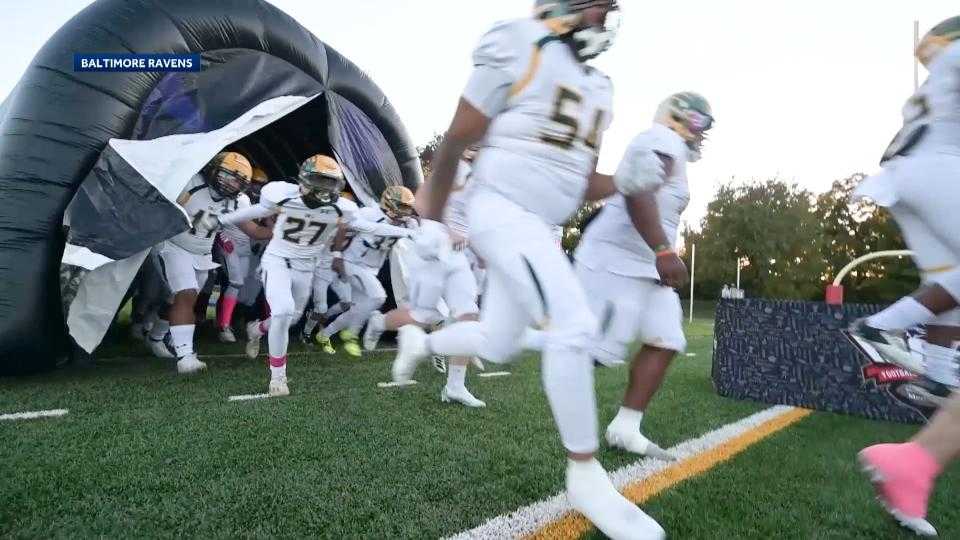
(56,124)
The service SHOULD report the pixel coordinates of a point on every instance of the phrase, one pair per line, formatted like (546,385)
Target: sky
(805,91)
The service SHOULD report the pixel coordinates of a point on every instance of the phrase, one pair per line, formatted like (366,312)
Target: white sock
(568,383)
(940,364)
(182,336)
(278,372)
(456,376)
(159,330)
(903,314)
(459,339)
(533,339)
(278,338)
(629,418)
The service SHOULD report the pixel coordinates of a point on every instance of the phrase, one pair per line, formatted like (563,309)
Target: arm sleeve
(256,211)
(496,63)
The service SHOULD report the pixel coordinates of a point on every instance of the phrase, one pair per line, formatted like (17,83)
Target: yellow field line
(573,525)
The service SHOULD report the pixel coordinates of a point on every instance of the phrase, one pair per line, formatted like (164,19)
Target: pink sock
(908,471)
(225,313)
(278,367)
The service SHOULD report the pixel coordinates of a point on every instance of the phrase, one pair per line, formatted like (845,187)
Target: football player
(630,269)
(325,278)
(308,214)
(539,111)
(918,184)
(185,260)
(439,275)
(236,248)
(360,262)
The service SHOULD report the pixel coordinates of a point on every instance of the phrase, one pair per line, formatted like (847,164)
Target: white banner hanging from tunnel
(167,163)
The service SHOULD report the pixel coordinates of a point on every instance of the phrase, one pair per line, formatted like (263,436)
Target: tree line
(790,241)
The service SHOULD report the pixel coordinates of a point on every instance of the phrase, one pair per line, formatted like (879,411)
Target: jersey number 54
(566,115)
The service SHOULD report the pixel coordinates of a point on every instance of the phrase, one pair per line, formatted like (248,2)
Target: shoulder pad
(508,44)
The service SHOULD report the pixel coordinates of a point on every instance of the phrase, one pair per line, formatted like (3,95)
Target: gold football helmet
(397,202)
(228,173)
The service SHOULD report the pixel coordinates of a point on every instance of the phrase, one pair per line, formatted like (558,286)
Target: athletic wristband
(337,254)
(665,252)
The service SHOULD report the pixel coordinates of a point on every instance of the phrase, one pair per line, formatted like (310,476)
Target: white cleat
(278,387)
(460,395)
(411,349)
(159,348)
(635,442)
(226,335)
(591,493)
(253,340)
(189,365)
(375,327)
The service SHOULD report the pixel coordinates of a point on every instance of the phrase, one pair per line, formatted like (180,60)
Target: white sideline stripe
(248,397)
(530,519)
(30,415)
(691,354)
(494,374)
(393,384)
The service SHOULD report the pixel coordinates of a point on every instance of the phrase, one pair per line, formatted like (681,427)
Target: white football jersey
(541,148)
(611,242)
(200,202)
(455,214)
(931,118)
(302,232)
(241,242)
(369,249)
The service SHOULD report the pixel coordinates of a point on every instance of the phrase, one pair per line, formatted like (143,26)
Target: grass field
(145,453)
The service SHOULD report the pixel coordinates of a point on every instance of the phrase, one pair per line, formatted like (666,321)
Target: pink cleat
(903,476)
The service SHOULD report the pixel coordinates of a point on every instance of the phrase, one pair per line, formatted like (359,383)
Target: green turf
(145,453)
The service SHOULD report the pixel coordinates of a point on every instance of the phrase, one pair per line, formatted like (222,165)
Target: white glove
(642,171)
(432,240)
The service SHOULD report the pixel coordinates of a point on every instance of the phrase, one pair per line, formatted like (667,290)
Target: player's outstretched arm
(378,229)
(469,125)
(257,211)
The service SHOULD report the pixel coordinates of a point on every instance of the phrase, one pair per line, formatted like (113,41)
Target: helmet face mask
(228,174)
(321,180)
(567,18)
(690,116)
(397,202)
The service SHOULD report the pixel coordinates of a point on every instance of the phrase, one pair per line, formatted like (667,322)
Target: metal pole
(693,268)
(916,61)
(738,273)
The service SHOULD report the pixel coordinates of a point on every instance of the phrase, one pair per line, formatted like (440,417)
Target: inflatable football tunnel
(91,163)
